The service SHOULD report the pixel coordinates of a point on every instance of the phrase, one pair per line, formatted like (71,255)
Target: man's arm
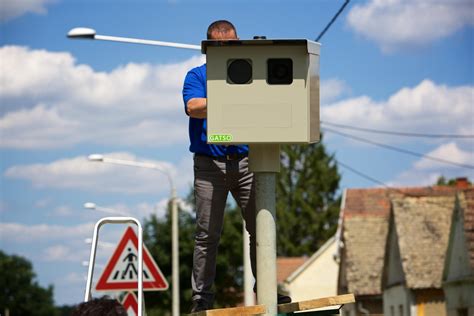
(197,108)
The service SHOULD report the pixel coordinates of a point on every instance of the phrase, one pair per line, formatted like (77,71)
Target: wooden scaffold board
(283,309)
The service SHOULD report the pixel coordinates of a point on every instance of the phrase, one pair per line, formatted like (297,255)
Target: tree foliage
(20,292)
(442,181)
(307,199)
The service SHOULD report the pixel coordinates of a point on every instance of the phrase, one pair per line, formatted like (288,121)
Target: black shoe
(199,305)
(283,299)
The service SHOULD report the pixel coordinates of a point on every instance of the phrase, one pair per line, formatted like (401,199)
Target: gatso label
(220,138)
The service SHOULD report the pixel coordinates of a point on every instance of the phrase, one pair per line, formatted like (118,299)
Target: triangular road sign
(130,303)
(121,272)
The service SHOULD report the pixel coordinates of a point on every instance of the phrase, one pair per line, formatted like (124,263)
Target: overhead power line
(332,20)
(389,188)
(378,131)
(405,151)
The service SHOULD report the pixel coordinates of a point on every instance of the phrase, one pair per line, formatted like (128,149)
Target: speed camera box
(262,91)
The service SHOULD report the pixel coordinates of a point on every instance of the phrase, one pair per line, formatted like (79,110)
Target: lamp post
(93,206)
(174,219)
(88,33)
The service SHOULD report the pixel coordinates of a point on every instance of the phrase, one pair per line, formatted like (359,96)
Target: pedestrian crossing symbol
(121,271)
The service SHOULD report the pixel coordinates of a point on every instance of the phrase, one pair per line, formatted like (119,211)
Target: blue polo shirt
(195,87)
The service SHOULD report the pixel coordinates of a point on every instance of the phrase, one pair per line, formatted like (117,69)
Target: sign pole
(264,161)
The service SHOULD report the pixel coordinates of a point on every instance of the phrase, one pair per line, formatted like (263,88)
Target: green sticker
(220,138)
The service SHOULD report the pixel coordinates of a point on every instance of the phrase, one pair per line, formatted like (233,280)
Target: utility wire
(332,20)
(370,130)
(405,151)
(389,188)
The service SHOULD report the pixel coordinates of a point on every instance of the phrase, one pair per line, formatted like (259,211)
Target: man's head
(221,30)
(103,306)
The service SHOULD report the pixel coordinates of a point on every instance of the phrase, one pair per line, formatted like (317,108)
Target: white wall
(319,279)
(396,302)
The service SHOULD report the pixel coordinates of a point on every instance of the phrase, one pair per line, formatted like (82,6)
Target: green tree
(157,236)
(20,292)
(442,181)
(307,199)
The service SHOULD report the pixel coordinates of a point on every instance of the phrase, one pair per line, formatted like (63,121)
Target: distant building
(363,229)
(458,276)
(419,227)
(404,267)
(315,277)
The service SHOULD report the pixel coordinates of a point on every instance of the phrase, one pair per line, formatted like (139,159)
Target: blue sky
(395,65)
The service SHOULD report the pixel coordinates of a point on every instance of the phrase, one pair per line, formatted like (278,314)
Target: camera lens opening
(239,71)
(279,71)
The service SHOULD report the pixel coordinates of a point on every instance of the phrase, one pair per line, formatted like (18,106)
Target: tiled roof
(469,224)
(287,265)
(365,227)
(422,224)
(366,214)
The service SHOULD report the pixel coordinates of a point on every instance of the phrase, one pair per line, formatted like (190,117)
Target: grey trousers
(213,180)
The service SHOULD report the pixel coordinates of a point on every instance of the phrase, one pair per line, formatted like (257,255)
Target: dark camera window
(239,71)
(279,71)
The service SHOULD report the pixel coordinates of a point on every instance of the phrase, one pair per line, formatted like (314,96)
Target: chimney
(462,183)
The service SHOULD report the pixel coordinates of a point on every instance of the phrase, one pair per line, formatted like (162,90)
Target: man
(218,170)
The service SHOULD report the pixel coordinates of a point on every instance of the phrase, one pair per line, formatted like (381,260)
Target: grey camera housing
(277,104)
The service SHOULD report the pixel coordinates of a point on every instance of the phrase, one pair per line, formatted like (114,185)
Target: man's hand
(197,108)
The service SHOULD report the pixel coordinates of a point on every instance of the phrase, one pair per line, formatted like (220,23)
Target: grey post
(264,161)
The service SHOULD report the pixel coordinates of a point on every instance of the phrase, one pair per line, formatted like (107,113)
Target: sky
(391,65)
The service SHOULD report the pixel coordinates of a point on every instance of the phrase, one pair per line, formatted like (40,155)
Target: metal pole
(95,238)
(174,220)
(264,161)
(175,252)
(266,241)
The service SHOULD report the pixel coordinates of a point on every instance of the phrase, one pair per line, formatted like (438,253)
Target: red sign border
(130,300)
(160,283)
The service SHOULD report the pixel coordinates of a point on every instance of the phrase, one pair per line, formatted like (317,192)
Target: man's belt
(228,157)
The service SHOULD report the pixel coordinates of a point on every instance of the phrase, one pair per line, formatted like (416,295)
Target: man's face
(224,35)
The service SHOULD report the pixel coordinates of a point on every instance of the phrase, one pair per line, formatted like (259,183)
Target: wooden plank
(233,311)
(316,303)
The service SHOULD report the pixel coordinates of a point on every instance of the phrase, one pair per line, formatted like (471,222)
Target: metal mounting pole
(175,252)
(95,239)
(264,161)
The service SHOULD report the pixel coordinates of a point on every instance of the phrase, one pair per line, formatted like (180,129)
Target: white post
(175,252)
(264,161)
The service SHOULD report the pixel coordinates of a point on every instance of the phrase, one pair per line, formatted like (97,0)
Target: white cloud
(61,253)
(333,89)
(11,9)
(49,101)
(450,152)
(20,233)
(397,24)
(425,172)
(79,173)
(425,108)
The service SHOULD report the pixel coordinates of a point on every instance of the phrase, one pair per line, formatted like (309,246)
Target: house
(458,275)
(363,243)
(362,234)
(315,277)
(419,226)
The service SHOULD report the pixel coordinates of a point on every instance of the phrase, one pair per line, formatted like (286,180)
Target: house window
(400,310)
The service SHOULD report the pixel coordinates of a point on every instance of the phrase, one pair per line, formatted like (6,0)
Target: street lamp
(174,218)
(93,206)
(88,33)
